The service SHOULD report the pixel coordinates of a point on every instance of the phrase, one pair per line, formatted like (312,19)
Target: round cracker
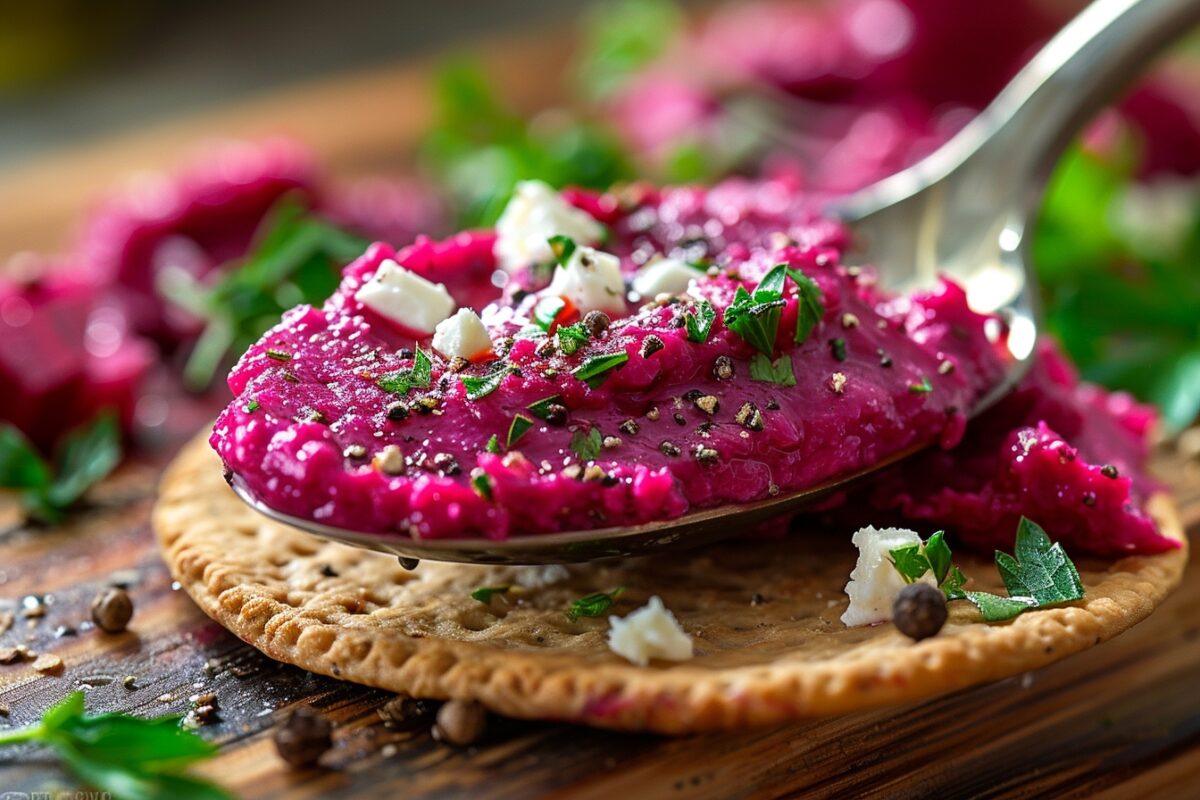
(358,615)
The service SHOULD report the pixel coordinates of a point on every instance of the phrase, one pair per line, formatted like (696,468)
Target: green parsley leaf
(484,594)
(418,376)
(1041,569)
(778,372)
(838,348)
(479,386)
(127,757)
(493,444)
(593,605)
(699,319)
(541,408)
(910,561)
(924,387)
(586,446)
(595,369)
(519,427)
(278,355)
(547,310)
(563,248)
(481,482)
(755,317)
(810,309)
(995,608)
(953,584)
(251,406)
(572,337)
(937,553)
(86,455)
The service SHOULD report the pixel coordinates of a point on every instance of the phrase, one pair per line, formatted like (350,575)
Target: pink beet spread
(310,415)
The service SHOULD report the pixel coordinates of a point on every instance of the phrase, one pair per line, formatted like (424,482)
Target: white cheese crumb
(541,576)
(462,335)
(664,276)
(535,213)
(406,298)
(874,583)
(592,281)
(650,632)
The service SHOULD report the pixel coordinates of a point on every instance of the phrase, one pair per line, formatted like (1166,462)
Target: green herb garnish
(586,446)
(479,386)
(699,320)
(593,605)
(493,444)
(85,456)
(563,248)
(484,594)
(519,427)
(547,310)
(924,387)
(127,757)
(541,408)
(278,355)
(838,348)
(755,316)
(481,482)
(418,376)
(778,372)
(572,337)
(252,406)
(594,370)
(1040,574)
(809,309)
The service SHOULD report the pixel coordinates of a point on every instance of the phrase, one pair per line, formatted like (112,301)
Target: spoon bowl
(963,211)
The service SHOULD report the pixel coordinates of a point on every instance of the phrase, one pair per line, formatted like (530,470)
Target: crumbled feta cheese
(535,213)
(875,582)
(462,335)
(539,577)
(592,281)
(650,632)
(406,298)
(666,275)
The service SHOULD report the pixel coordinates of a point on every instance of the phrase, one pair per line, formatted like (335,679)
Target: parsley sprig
(418,376)
(128,757)
(755,316)
(295,260)
(593,605)
(87,454)
(586,446)
(1038,575)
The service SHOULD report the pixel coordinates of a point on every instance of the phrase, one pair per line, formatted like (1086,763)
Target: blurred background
(142,255)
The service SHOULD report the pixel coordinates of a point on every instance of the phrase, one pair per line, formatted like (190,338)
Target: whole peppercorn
(722,368)
(397,411)
(556,414)
(111,610)
(919,611)
(460,722)
(596,322)
(303,738)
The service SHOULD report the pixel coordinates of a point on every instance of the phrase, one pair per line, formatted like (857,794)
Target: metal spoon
(962,211)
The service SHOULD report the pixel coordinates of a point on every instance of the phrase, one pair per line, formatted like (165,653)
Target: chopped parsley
(519,427)
(479,386)
(481,482)
(278,355)
(755,316)
(924,387)
(594,370)
(586,446)
(484,594)
(593,605)
(493,444)
(572,337)
(778,372)
(699,320)
(541,408)
(838,348)
(1038,575)
(418,376)
(809,310)
(251,406)
(563,248)
(547,310)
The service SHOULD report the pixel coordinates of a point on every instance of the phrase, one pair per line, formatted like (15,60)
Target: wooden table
(1122,719)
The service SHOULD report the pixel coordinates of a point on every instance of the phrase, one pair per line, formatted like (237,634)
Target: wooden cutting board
(1122,719)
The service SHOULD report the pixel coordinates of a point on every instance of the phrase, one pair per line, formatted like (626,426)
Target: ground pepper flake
(651,345)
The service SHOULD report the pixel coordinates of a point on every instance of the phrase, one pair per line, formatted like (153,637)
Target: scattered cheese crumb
(874,582)
(462,335)
(538,577)
(664,276)
(536,213)
(592,281)
(650,632)
(406,298)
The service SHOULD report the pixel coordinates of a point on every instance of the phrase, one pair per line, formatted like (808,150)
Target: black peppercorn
(651,345)
(556,414)
(919,611)
(303,738)
(407,713)
(397,411)
(460,723)
(1109,471)
(596,322)
(722,368)
(111,610)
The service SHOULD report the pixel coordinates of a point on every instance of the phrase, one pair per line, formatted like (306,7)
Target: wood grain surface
(1121,720)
